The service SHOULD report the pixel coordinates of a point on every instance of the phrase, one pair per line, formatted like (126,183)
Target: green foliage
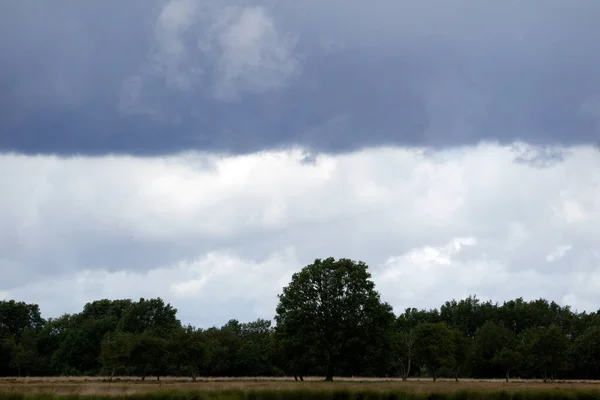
(546,350)
(24,355)
(148,354)
(460,352)
(585,353)
(403,349)
(153,316)
(188,350)
(508,360)
(489,339)
(15,317)
(434,345)
(251,355)
(115,351)
(467,315)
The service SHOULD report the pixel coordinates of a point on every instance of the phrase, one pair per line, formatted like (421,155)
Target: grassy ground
(31,388)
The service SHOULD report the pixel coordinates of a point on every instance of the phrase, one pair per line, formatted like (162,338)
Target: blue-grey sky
(160,147)
(153,77)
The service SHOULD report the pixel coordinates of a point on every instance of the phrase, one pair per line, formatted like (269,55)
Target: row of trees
(330,321)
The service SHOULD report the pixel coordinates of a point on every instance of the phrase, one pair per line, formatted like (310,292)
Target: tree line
(330,321)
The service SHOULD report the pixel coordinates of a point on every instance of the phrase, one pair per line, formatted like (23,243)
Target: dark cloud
(351,75)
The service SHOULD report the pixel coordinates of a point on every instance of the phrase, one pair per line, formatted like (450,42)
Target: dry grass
(133,385)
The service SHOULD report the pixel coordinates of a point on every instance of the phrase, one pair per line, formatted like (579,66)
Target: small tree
(507,359)
(405,345)
(148,354)
(434,346)
(489,339)
(187,348)
(25,355)
(546,349)
(461,346)
(290,350)
(586,352)
(115,350)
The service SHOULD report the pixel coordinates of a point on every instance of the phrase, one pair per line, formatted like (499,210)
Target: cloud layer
(203,151)
(220,236)
(160,77)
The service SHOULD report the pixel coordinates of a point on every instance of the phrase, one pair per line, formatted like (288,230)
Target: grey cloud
(237,76)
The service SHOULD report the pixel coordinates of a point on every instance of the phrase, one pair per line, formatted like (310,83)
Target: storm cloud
(148,77)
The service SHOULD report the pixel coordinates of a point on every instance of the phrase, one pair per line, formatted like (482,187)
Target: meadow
(71,388)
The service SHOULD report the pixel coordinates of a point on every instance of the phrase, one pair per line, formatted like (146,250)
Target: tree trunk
(158,377)
(330,369)
(405,369)
(408,342)
(507,373)
(329,376)
(112,373)
(301,378)
(145,371)
(296,378)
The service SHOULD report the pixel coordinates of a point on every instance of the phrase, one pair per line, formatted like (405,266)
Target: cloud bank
(219,236)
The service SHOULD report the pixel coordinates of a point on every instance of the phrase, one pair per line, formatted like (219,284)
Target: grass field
(284,389)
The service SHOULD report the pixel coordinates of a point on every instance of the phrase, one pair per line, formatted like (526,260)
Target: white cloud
(172,55)
(427,276)
(255,56)
(559,253)
(225,49)
(208,290)
(201,229)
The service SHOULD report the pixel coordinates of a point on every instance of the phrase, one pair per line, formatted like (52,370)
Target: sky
(204,151)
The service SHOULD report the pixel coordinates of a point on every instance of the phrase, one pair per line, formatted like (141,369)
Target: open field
(284,388)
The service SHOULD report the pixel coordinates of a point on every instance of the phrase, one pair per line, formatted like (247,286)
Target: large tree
(335,303)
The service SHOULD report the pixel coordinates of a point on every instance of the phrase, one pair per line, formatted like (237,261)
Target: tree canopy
(332,306)
(329,321)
